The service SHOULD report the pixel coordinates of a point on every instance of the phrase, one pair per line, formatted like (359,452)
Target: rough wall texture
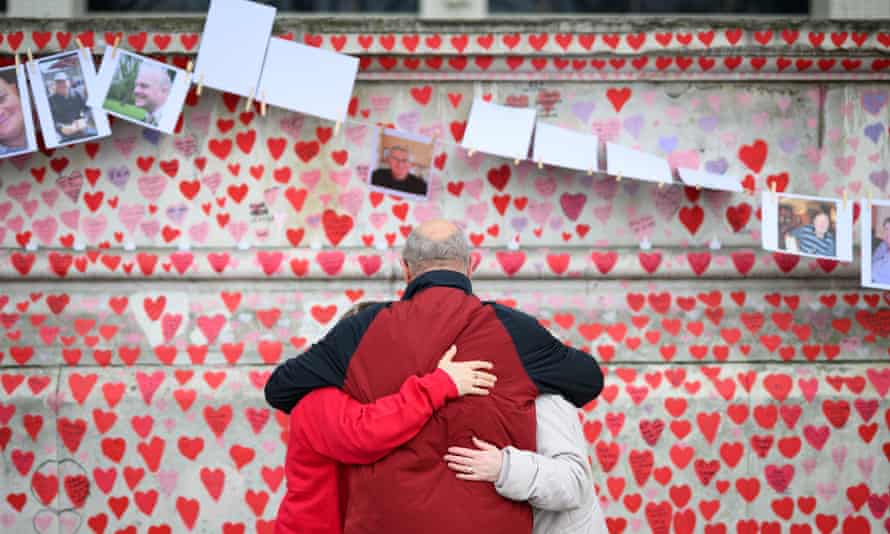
(143,305)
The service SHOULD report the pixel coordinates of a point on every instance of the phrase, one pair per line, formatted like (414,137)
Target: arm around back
(557,477)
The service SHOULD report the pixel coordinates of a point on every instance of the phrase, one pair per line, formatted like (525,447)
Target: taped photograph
(875,223)
(402,165)
(808,226)
(62,85)
(16,120)
(141,90)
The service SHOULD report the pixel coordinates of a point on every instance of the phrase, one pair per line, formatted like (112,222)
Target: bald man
(370,354)
(151,90)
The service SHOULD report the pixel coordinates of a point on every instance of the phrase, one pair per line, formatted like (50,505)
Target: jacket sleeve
(557,477)
(323,364)
(348,431)
(552,366)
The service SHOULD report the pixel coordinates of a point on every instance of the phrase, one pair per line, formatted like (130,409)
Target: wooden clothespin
(200,84)
(117,42)
(698,187)
(845,199)
(470,152)
(190,66)
(516,161)
(30,56)
(337,128)
(18,62)
(661,185)
(870,197)
(772,189)
(589,172)
(263,104)
(618,178)
(249,102)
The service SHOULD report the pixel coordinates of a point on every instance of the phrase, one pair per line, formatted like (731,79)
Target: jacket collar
(440,278)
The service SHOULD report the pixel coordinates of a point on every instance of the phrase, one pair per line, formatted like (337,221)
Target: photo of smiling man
(142,90)
(403,162)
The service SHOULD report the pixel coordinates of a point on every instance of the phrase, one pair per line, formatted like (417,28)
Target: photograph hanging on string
(875,223)
(16,120)
(808,226)
(141,90)
(402,165)
(62,85)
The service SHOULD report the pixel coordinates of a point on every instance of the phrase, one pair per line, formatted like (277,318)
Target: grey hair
(423,254)
(165,80)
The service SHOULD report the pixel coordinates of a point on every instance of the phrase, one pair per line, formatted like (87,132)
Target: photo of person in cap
(403,165)
(71,115)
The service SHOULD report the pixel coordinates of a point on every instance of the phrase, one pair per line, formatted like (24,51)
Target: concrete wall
(142,305)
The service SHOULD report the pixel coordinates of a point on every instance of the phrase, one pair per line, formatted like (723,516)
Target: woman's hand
(479,465)
(467,376)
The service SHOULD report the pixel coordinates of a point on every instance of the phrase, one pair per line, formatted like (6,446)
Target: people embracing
(429,482)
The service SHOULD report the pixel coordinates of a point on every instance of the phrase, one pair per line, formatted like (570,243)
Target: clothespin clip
(200,84)
(845,199)
(661,185)
(470,152)
(540,164)
(263,104)
(18,62)
(698,187)
(337,128)
(516,161)
(80,44)
(589,172)
(618,178)
(117,41)
(772,188)
(190,66)
(30,56)
(249,99)
(870,197)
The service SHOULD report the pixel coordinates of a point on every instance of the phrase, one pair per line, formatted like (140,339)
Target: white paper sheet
(233,45)
(307,79)
(843,225)
(873,250)
(499,130)
(77,68)
(164,105)
(708,180)
(25,141)
(565,148)
(629,163)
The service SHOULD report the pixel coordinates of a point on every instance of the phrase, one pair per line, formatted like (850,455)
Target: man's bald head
(436,244)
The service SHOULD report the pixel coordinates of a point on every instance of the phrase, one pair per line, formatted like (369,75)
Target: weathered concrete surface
(758,382)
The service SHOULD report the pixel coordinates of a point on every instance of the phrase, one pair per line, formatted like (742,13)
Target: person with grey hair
(151,89)
(398,175)
(370,354)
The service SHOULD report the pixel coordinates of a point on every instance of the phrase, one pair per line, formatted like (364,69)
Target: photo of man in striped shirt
(816,238)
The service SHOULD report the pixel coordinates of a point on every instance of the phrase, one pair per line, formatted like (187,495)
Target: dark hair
(886,220)
(359,307)
(10,76)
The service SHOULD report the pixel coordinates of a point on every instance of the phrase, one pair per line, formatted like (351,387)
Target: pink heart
(687,159)
(477,212)
(714,102)
(381,103)
(49,197)
(292,124)
(198,232)
(237,230)
(426,211)
(540,211)
(784,102)
(352,201)
(378,220)
(45,229)
(474,188)
(341,177)
(19,192)
(150,228)
(71,218)
(310,178)
(356,134)
(94,227)
(125,145)
(30,207)
(152,186)
(15,224)
(818,179)
(130,215)
(545,185)
(5,208)
(212,181)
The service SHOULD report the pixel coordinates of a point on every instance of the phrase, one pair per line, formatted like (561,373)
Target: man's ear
(406,271)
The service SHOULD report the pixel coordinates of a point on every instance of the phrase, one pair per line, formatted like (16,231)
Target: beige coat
(556,480)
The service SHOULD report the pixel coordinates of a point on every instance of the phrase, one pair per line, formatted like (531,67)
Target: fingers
(474,390)
(485,378)
(478,364)
(474,477)
(461,468)
(460,451)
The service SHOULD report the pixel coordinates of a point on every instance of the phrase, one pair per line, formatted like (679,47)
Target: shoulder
(554,405)
(513,316)
(381,173)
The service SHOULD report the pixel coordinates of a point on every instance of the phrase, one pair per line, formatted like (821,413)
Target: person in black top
(397,176)
(69,110)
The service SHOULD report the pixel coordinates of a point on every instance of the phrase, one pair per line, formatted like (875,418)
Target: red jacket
(330,427)
(370,354)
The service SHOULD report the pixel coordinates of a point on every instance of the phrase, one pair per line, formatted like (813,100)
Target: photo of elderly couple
(437,413)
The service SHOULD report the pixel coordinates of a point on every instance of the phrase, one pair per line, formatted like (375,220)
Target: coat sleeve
(553,366)
(323,364)
(557,477)
(348,431)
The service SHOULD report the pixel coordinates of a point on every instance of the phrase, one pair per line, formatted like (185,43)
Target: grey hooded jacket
(556,480)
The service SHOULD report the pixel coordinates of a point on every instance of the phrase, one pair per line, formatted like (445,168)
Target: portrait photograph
(808,226)
(403,164)
(62,85)
(141,90)
(16,120)
(875,223)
